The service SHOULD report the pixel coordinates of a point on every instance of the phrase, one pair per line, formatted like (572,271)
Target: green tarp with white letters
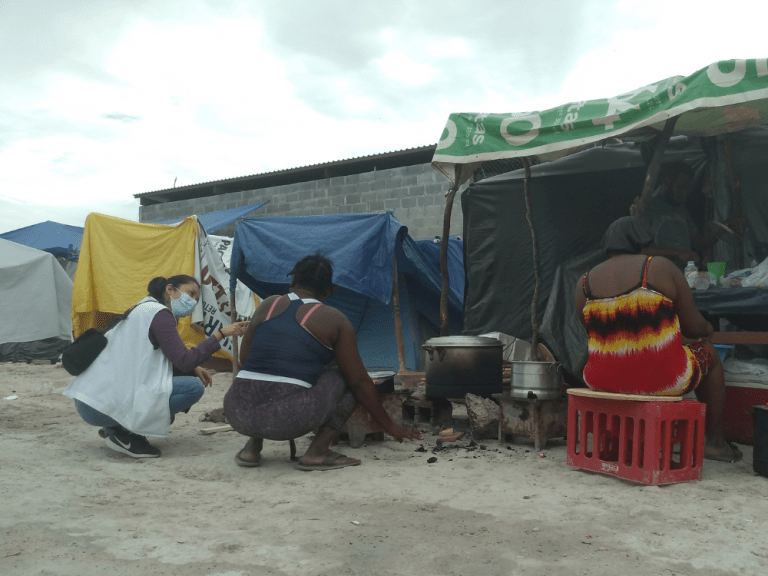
(724,97)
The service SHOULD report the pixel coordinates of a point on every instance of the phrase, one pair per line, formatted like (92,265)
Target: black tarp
(574,199)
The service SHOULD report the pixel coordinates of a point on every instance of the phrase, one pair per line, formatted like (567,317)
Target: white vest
(130,381)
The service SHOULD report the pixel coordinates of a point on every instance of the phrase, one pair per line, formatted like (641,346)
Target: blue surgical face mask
(183,305)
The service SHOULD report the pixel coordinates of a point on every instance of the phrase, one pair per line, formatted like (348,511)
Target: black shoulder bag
(83,351)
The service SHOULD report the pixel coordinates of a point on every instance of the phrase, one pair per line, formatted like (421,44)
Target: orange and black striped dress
(635,344)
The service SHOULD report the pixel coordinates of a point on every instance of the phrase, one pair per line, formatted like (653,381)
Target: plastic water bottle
(690,273)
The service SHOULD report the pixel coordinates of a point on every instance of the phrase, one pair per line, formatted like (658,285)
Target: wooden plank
(740,338)
(398,320)
(226,428)
(589,393)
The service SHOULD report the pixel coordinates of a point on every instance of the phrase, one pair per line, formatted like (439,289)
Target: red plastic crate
(650,442)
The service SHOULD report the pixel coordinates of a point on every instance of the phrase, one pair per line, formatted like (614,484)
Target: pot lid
(463,341)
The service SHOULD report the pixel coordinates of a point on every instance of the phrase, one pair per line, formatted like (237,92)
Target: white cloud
(405,70)
(100,103)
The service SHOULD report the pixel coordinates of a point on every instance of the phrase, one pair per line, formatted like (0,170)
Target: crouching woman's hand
(401,433)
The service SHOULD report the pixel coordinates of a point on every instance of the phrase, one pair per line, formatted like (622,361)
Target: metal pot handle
(557,366)
(431,350)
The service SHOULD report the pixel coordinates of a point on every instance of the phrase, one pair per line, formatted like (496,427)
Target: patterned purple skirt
(282,411)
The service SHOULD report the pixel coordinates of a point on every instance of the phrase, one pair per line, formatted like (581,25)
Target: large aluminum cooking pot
(457,365)
(536,380)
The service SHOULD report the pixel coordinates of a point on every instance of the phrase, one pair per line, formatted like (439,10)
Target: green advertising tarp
(724,97)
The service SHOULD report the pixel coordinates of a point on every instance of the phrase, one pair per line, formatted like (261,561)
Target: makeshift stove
(532,418)
(535,405)
(361,424)
(419,409)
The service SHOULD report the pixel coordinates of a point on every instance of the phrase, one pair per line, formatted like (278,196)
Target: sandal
(240,461)
(328,463)
(735,457)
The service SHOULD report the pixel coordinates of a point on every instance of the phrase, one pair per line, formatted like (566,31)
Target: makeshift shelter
(118,258)
(364,249)
(574,199)
(37,298)
(61,240)
(720,99)
(215,221)
(431,249)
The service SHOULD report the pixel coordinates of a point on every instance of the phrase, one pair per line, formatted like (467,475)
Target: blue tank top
(281,346)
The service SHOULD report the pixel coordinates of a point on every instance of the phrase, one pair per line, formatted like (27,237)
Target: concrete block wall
(415,194)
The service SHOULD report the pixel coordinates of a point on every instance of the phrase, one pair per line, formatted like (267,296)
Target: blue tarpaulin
(362,249)
(61,240)
(431,249)
(215,221)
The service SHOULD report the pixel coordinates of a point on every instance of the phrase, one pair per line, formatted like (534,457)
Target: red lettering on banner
(206,278)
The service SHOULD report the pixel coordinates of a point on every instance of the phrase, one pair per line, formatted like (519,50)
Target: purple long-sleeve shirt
(164,335)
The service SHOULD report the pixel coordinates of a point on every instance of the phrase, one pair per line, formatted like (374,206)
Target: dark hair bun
(313,272)
(156,286)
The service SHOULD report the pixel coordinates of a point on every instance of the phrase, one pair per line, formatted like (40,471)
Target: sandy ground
(71,506)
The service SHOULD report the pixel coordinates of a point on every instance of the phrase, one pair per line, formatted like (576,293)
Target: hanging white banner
(214,296)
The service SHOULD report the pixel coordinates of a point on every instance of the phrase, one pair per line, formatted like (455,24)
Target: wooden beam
(536,271)
(233,319)
(444,251)
(740,338)
(735,189)
(398,320)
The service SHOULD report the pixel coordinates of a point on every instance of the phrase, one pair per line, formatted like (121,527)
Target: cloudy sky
(103,99)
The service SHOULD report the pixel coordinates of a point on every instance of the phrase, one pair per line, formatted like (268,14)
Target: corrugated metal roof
(348,166)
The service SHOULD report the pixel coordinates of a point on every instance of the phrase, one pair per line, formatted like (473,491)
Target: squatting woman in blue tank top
(286,390)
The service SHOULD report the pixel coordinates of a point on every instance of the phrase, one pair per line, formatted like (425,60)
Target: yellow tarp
(117,260)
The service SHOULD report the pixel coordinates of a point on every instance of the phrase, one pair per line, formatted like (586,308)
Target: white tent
(35,304)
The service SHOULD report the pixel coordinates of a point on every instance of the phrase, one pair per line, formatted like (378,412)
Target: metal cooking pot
(457,365)
(537,380)
(384,380)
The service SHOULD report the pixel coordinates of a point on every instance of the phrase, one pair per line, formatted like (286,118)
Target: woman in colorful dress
(646,335)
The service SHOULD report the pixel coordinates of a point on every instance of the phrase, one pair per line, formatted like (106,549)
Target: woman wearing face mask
(129,391)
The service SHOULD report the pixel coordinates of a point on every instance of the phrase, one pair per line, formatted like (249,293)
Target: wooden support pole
(398,320)
(536,270)
(233,319)
(444,252)
(735,189)
(652,174)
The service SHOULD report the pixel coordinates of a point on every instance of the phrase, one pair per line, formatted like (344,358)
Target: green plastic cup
(717,269)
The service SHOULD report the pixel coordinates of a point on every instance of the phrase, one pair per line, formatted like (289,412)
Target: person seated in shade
(645,334)
(674,233)
(285,389)
(130,391)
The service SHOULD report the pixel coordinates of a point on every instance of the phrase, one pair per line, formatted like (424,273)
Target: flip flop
(327,463)
(736,457)
(246,463)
